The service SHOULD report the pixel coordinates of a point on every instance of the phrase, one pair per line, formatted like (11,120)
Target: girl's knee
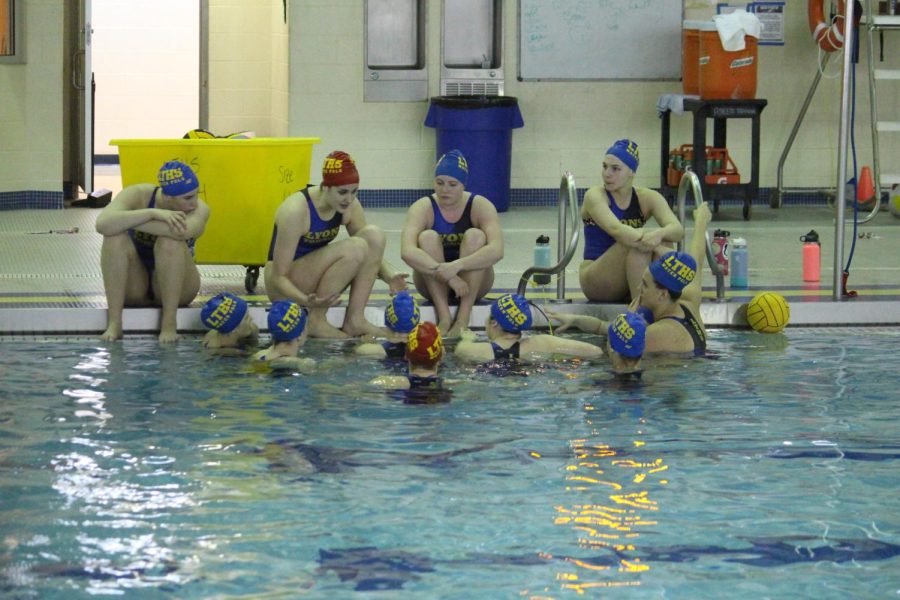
(120,242)
(429,239)
(473,239)
(168,247)
(357,249)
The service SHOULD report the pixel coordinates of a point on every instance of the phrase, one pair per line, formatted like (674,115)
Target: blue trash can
(481,128)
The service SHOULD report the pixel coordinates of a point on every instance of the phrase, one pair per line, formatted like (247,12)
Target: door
(134,71)
(78,167)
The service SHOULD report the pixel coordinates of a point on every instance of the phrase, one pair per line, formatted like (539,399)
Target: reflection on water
(614,524)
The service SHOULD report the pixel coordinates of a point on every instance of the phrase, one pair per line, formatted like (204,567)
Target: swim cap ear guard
(286,320)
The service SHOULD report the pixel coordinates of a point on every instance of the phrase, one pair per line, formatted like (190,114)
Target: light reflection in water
(119,499)
(613,525)
(89,395)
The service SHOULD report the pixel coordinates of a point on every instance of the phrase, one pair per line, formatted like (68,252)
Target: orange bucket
(727,75)
(690,55)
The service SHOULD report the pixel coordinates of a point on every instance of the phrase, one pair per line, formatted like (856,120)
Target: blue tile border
(31,199)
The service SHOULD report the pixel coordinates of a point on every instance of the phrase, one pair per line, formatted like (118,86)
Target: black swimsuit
(425,390)
(394,349)
(510,353)
(694,328)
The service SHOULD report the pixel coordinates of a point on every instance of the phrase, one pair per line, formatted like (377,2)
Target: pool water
(768,469)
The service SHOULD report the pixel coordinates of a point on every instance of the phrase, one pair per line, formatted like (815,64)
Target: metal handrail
(690,180)
(778,199)
(568,197)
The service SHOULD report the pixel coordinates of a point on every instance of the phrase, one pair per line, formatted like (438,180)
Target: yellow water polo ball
(894,200)
(768,312)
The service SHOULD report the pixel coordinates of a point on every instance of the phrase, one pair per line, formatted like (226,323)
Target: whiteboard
(599,39)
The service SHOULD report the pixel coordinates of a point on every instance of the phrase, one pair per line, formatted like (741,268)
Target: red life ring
(829,36)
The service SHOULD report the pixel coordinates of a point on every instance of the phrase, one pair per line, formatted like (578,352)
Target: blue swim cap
(402,314)
(627,152)
(627,334)
(674,270)
(286,320)
(512,313)
(223,312)
(453,164)
(176,178)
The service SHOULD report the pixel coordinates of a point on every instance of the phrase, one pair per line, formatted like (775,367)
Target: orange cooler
(242,181)
(690,55)
(727,75)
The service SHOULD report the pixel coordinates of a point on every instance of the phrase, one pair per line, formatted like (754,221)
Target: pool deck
(49,260)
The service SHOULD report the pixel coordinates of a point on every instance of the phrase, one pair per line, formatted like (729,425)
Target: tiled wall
(568,124)
(248,71)
(31,107)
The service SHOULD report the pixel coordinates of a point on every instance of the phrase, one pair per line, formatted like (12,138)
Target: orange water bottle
(812,256)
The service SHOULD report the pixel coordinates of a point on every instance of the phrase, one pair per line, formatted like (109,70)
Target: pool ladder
(568,198)
(690,181)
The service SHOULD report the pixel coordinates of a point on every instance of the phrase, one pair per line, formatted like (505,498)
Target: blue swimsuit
(596,240)
(321,232)
(451,233)
(145,242)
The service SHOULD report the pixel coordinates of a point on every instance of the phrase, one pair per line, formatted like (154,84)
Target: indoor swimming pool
(767,469)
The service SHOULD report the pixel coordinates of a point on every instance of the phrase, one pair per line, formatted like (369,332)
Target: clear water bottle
(542,259)
(739,263)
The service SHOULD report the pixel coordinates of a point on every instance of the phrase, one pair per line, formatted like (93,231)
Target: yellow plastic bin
(242,180)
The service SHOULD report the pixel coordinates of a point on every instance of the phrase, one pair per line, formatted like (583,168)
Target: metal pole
(561,241)
(873,112)
(843,139)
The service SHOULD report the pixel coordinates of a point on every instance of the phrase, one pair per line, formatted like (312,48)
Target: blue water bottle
(739,263)
(542,259)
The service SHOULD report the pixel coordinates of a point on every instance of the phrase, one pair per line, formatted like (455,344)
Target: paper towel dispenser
(472,47)
(395,51)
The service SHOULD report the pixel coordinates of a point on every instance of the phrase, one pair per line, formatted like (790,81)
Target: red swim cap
(339,169)
(424,346)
